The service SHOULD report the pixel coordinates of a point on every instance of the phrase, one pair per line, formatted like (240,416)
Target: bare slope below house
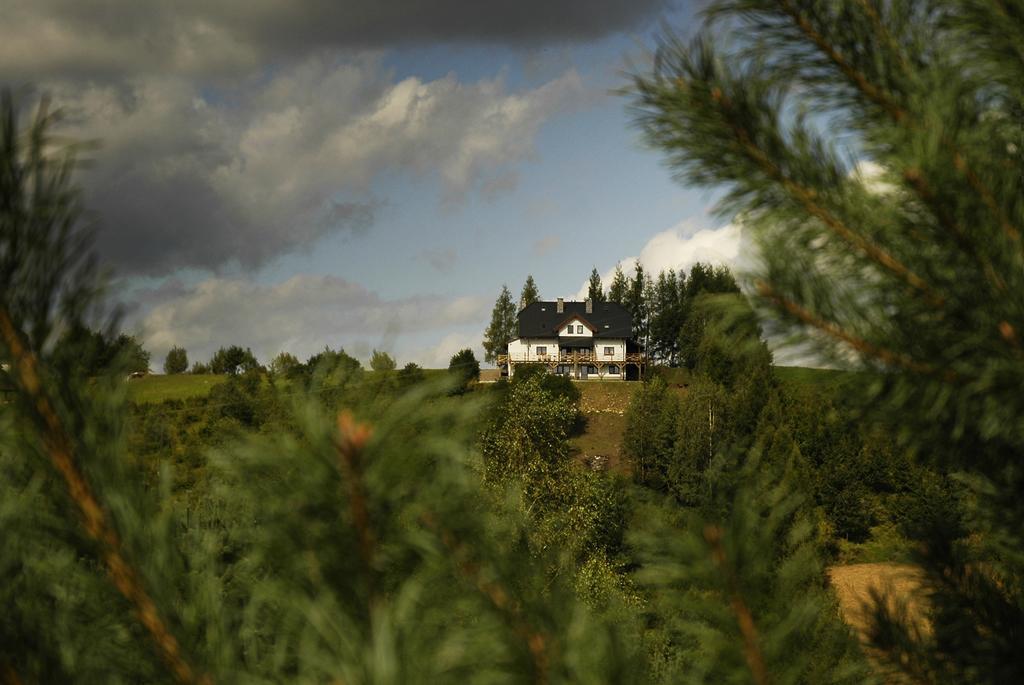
(604,405)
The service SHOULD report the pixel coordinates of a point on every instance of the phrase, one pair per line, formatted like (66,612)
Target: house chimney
(560,308)
(590,306)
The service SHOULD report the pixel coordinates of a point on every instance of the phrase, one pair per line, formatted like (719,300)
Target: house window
(542,350)
(609,351)
(591,369)
(613,369)
(579,329)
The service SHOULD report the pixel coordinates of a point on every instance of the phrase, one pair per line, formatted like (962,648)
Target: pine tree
(890,239)
(503,326)
(619,288)
(595,290)
(635,301)
(529,294)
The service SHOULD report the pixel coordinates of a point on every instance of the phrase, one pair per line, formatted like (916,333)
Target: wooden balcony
(582,357)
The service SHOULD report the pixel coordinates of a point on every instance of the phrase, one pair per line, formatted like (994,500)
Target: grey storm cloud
(233,132)
(186,178)
(103,38)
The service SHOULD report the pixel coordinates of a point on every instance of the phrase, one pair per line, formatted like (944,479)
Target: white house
(583,340)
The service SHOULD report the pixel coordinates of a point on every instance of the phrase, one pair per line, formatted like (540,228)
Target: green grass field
(159,388)
(803,375)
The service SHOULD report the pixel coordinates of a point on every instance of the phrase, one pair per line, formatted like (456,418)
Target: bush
(176,361)
(410,375)
(382,361)
(465,369)
(233,360)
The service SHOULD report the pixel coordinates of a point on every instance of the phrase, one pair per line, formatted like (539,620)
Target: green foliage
(526,446)
(528,295)
(382,361)
(285,364)
(233,360)
(410,375)
(504,326)
(742,600)
(93,353)
(651,428)
(617,291)
(595,289)
(176,361)
(909,269)
(464,370)
(552,383)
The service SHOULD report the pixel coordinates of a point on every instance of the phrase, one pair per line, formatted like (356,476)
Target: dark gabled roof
(542,319)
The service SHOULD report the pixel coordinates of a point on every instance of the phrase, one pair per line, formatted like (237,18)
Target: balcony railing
(583,357)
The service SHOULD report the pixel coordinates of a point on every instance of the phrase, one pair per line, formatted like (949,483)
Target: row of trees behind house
(666,318)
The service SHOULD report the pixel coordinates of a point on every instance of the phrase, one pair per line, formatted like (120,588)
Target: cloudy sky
(289,174)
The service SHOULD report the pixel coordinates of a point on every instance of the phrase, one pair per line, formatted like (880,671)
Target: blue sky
(366,186)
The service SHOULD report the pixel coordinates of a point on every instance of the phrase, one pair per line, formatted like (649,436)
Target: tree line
(665,313)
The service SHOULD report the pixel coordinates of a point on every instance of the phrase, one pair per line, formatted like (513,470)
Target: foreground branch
(58,446)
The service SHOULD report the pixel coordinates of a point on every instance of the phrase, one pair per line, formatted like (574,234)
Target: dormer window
(579,329)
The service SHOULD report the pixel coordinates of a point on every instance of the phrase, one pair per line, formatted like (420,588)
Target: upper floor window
(609,351)
(542,350)
(579,329)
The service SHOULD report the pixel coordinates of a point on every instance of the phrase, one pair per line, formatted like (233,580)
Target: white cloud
(304,313)
(439,355)
(680,248)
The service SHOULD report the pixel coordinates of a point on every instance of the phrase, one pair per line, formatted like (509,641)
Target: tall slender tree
(635,299)
(619,288)
(889,239)
(529,294)
(595,289)
(503,325)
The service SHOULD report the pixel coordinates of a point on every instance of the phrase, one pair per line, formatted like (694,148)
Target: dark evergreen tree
(529,294)
(595,289)
(503,327)
(619,289)
(634,300)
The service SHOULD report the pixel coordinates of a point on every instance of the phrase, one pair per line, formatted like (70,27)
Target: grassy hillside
(179,387)
(804,375)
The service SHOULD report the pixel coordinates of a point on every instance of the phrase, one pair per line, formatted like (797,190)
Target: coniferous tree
(619,289)
(894,248)
(529,294)
(634,300)
(595,290)
(503,326)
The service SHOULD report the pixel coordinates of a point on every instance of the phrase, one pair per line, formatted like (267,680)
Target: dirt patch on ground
(489,375)
(856,586)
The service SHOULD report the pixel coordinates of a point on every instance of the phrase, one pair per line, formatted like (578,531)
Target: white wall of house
(576,329)
(526,350)
(618,349)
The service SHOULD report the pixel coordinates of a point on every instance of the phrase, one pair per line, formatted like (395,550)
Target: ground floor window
(613,369)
